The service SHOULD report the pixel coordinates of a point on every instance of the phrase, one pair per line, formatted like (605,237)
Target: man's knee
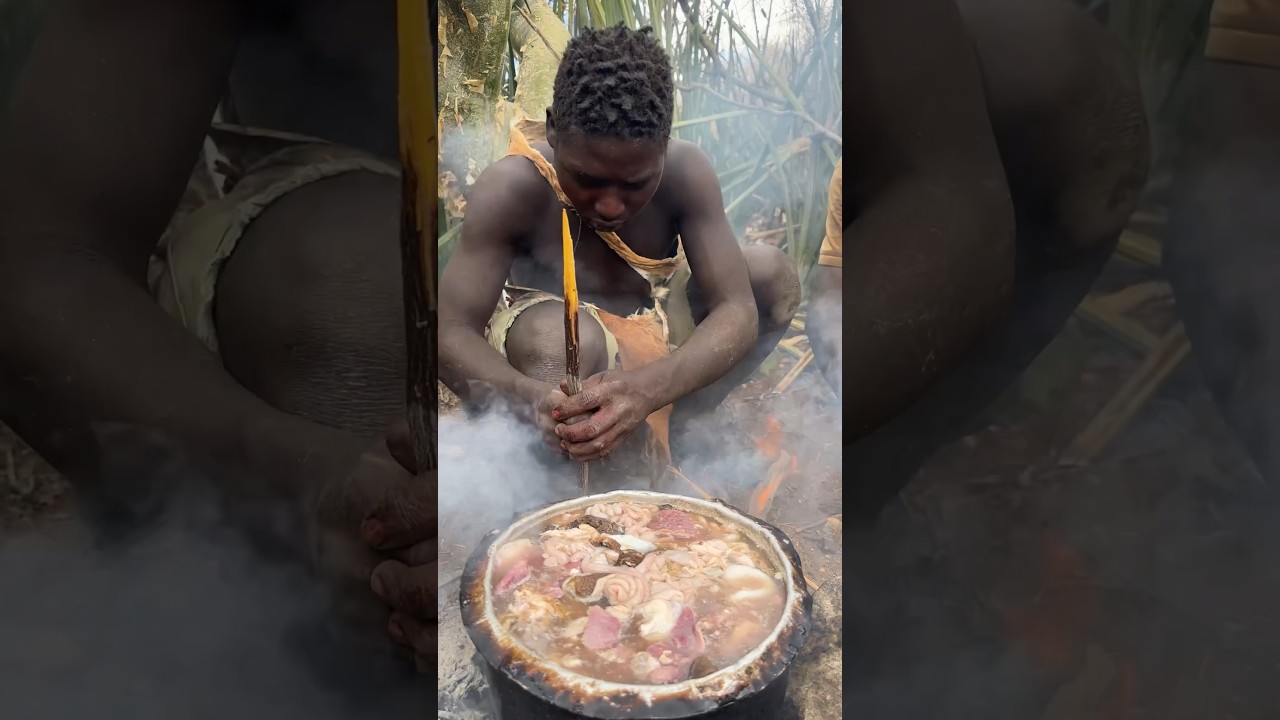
(535,343)
(775,284)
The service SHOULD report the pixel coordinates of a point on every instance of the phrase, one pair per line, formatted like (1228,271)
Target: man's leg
(308,308)
(535,344)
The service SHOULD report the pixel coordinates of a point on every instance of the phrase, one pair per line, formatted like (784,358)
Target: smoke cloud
(168,608)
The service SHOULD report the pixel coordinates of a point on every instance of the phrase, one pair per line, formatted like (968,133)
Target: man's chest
(601,272)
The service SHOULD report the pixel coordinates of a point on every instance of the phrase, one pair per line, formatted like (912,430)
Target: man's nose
(609,207)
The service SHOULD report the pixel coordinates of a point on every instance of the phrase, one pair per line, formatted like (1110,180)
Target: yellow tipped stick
(572,358)
(418,147)
(570,309)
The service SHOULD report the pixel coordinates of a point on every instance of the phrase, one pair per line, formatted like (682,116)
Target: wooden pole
(418,171)
(571,353)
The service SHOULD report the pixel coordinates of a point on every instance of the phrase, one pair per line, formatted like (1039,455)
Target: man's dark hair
(615,82)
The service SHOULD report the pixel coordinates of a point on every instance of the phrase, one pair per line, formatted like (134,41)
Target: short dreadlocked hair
(615,82)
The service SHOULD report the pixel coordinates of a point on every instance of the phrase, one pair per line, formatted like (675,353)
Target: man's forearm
(717,344)
(471,367)
(931,269)
(82,344)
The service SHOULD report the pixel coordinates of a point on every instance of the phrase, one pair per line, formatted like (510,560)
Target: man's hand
(373,526)
(545,419)
(613,404)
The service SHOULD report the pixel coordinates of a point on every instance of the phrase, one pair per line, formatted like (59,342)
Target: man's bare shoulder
(510,191)
(689,175)
(515,176)
(683,155)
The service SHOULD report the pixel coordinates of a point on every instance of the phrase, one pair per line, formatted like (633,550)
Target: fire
(1056,628)
(1053,628)
(770,445)
(784,465)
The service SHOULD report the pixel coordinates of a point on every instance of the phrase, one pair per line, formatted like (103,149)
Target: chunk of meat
(623,589)
(675,523)
(598,523)
(514,578)
(513,552)
(657,619)
(685,638)
(602,630)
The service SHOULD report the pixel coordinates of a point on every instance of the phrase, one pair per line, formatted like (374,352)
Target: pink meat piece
(514,577)
(554,592)
(667,674)
(656,650)
(602,630)
(685,637)
(675,523)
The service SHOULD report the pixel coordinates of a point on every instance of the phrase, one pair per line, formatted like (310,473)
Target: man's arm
(721,340)
(105,127)
(473,280)
(931,264)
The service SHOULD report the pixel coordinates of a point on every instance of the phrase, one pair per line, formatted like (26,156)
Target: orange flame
(784,465)
(770,445)
(1053,629)
(762,496)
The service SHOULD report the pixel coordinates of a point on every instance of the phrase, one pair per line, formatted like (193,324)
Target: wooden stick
(572,359)
(794,372)
(1172,349)
(698,489)
(1132,297)
(1139,248)
(791,350)
(418,170)
(1122,328)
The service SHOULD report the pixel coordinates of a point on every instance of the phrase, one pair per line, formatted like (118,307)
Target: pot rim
(723,685)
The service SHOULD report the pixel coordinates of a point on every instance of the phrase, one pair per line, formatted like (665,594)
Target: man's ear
(551,129)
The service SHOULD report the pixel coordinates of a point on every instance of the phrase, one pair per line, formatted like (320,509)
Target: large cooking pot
(526,686)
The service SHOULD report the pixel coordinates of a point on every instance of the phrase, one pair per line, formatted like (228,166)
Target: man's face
(608,180)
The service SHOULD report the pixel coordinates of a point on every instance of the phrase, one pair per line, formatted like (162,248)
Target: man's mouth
(605,227)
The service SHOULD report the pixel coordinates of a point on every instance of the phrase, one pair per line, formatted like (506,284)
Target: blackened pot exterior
(526,687)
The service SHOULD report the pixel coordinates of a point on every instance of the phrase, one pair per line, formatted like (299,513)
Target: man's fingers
(411,590)
(582,432)
(400,445)
(583,402)
(597,448)
(406,515)
(422,553)
(421,637)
